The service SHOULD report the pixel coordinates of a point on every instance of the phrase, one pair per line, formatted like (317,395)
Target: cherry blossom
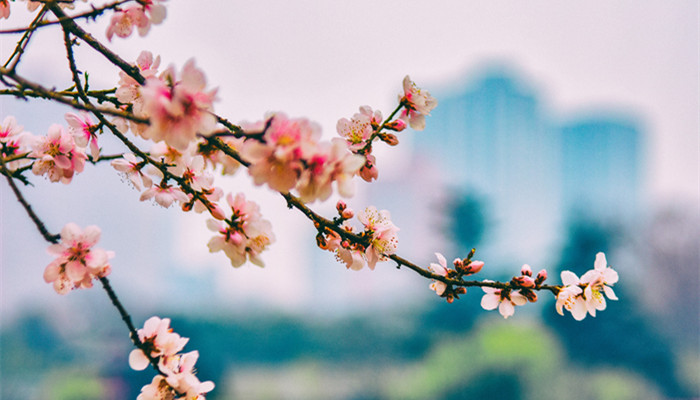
(178,110)
(598,281)
(440,269)
(159,340)
(242,236)
(77,261)
(181,377)
(163,346)
(215,157)
(358,130)
(132,168)
(417,104)
(381,232)
(570,297)
(164,194)
(158,389)
(503,299)
(369,171)
(57,155)
(331,162)
(279,160)
(141,16)
(83,130)
(14,141)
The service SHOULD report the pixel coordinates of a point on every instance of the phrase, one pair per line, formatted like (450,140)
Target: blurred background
(562,129)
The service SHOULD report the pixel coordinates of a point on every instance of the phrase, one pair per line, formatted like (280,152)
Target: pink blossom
(14,142)
(417,104)
(159,340)
(570,297)
(128,91)
(83,130)
(358,130)
(158,389)
(77,261)
(381,232)
(131,167)
(503,299)
(140,15)
(330,163)
(165,195)
(216,158)
(181,377)
(598,282)
(369,171)
(440,269)
(178,110)
(243,235)
(279,161)
(57,155)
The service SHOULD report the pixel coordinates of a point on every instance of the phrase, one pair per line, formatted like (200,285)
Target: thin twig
(49,237)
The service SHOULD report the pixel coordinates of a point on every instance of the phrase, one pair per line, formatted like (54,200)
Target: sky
(324,59)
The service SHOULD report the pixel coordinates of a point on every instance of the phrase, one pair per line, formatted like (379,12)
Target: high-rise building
(496,139)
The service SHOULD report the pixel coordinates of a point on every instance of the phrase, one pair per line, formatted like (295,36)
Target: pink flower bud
(347,213)
(396,125)
(340,206)
(457,263)
(474,267)
(526,270)
(524,281)
(217,212)
(541,277)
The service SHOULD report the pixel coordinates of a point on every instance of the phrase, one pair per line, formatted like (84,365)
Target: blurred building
(495,138)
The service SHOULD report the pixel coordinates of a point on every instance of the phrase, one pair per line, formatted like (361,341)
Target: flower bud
(217,212)
(461,290)
(541,277)
(340,206)
(526,270)
(458,264)
(474,267)
(389,138)
(396,125)
(347,213)
(524,281)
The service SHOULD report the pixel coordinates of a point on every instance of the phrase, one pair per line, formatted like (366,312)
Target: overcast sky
(323,59)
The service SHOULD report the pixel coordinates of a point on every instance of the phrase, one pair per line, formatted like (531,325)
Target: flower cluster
(162,347)
(243,235)
(462,267)
(140,15)
(77,261)
(178,108)
(377,241)
(586,295)
(364,127)
(287,154)
(506,298)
